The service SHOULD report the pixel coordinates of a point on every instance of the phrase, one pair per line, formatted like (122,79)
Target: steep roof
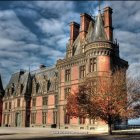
(77,45)
(90,34)
(21,77)
(1,87)
(99,32)
(49,73)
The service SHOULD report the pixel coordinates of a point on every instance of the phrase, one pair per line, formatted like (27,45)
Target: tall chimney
(108,23)
(85,20)
(74,31)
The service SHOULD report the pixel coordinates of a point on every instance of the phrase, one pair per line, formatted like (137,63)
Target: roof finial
(99,2)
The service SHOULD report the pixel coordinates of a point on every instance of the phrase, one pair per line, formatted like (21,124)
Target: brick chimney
(85,20)
(74,31)
(108,23)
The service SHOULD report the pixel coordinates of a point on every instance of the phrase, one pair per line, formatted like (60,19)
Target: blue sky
(36,32)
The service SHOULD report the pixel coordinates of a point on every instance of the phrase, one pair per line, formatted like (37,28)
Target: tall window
(92,65)
(9,105)
(67,92)
(37,87)
(34,102)
(44,115)
(4,119)
(33,117)
(54,117)
(8,118)
(91,121)
(18,102)
(67,119)
(82,120)
(67,75)
(56,99)
(21,88)
(5,105)
(82,71)
(45,100)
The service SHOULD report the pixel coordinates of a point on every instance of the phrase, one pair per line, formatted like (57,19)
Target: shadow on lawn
(69,138)
(2,134)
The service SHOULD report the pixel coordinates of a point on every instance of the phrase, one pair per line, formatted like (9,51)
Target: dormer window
(37,87)
(21,88)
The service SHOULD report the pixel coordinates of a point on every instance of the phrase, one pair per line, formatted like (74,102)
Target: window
(82,71)
(67,75)
(66,92)
(18,102)
(34,102)
(56,100)
(82,120)
(9,105)
(44,115)
(67,119)
(4,118)
(5,105)
(21,88)
(54,117)
(45,100)
(92,65)
(8,118)
(91,121)
(33,117)
(37,87)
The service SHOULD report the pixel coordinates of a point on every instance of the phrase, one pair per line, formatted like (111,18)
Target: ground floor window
(82,120)
(55,117)
(67,119)
(33,117)
(4,118)
(44,115)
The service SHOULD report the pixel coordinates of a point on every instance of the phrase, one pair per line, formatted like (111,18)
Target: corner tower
(91,52)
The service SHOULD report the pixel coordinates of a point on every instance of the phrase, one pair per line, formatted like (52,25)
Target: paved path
(56,134)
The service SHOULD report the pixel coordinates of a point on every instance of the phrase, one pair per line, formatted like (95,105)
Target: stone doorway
(18,119)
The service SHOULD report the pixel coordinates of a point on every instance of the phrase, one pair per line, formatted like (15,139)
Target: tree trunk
(109,129)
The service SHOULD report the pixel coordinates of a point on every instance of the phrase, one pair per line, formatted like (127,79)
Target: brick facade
(38,98)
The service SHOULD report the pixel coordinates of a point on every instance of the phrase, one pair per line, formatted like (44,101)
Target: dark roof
(14,80)
(1,87)
(48,73)
(17,79)
(90,34)
(99,32)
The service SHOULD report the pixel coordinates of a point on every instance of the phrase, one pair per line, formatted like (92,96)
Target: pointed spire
(99,32)
(90,34)
(1,87)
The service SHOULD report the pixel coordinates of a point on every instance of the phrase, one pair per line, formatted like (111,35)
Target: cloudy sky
(36,32)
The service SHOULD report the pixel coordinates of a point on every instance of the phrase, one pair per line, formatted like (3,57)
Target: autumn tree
(109,98)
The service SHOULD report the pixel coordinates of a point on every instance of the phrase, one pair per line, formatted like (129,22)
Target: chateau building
(38,98)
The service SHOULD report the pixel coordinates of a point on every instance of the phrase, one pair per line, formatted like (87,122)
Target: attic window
(21,88)
(37,87)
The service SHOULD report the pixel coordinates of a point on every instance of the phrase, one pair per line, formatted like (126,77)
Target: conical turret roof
(99,32)
(90,34)
(1,87)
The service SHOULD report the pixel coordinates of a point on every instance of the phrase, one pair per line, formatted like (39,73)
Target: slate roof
(49,73)
(99,32)
(1,87)
(90,34)
(17,79)
(77,46)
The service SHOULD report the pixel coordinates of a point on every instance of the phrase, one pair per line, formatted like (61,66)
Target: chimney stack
(85,20)
(74,31)
(108,23)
